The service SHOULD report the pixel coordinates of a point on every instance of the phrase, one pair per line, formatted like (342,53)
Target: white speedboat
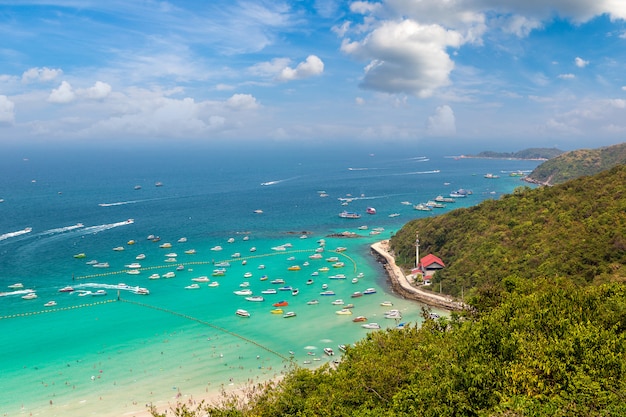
(192,287)
(269,291)
(190,252)
(99,293)
(182,240)
(329,351)
(29,296)
(50,304)
(255,298)
(371,326)
(369,291)
(118,248)
(214,284)
(344,312)
(154,276)
(171,255)
(216,248)
(67,289)
(169,275)
(243,292)
(165,245)
(16,286)
(133,272)
(337,302)
(101,265)
(140,257)
(242,313)
(201,279)
(134,265)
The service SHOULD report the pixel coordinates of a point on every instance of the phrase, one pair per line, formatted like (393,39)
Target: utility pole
(417,249)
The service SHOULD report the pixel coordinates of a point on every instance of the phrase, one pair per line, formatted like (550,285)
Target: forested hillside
(578,163)
(575,230)
(530,153)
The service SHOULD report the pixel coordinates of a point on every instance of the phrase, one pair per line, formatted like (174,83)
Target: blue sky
(496,74)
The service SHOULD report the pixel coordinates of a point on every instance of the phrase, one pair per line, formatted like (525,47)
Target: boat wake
(16,292)
(15,234)
(103,227)
(122,287)
(62,229)
(265,184)
(120,203)
(434,171)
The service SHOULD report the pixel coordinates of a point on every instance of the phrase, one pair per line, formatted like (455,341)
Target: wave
(62,229)
(103,227)
(14,234)
(434,171)
(17,292)
(119,203)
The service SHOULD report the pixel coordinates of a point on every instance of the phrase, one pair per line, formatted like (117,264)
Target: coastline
(401,285)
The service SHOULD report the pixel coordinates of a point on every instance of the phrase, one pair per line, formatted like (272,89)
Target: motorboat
(327,293)
(134,265)
(358,319)
(190,252)
(214,284)
(355,280)
(312,302)
(324,286)
(295,292)
(338,276)
(67,289)
(99,293)
(286,288)
(294,268)
(80,256)
(192,287)
(370,210)
(133,272)
(154,276)
(29,296)
(277,281)
(141,291)
(216,248)
(277,311)
(180,267)
(269,291)
(255,298)
(337,302)
(171,260)
(219,272)
(309,282)
(386,304)
(169,275)
(332,259)
(243,292)
(316,256)
(344,311)
(231,240)
(236,255)
(171,255)
(165,245)
(50,304)
(342,348)
(281,303)
(329,351)
(247,275)
(371,326)
(393,314)
(242,313)
(324,269)
(222,264)
(349,215)
(253,249)
(314,274)
(182,240)
(289,314)
(263,278)
(339,265)
(118,248)
(356,294)
(140,257)
(130,242)
(261,266)
(101,265)
(201,279)
(369,291)
(16,286)
(92,262)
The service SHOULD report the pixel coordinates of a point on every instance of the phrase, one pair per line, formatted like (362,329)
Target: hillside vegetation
(578,163)
(543,271)
(575,230)
(530,153)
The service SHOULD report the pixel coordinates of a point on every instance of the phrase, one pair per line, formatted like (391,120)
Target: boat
(295,292)
(214,284)
(422,207)
(236,255)
(434,204)
(182,240)
(370,210)
(349,215)
(332,259)
(393,314)
(67,289)
(491,176)
(216,248)
(141,291)
(245,284)
(171,260)
(133,272)
(309,281)
(99,293)
(255,298)
(339,265)
(277,281)
(165,245)
(190,252)
(158,184)
(16,286)
(134,265)
(261,267)
(171,255)
(324,269)
(253,249)
(242,313)
(29,296)
(337,276)
(258,211)
(394,214)
(294,268)
(286,288)
(231,240)
(247,275)
(315,256)
(223,264)
(269,291)
(315,273)
(140,257)
(130,242)
(118,248)
(364,227)
(329,351)
(312,302)
(355,280)
(442,199)
(192,287)
(342,348)
(243,292)
(277,311)
(201,279)
(80,256)
(50,304)
(369,291)
(371,326)
(357,294)
(169,275)
(218,273)
(101,265)
(281,303)
(180,267)
(289,314)
(324,286)
(344,311)
(458,194)
(92,262)
(337,302)
(358,319)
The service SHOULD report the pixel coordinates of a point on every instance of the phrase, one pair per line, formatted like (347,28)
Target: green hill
(575,230)
(578,163)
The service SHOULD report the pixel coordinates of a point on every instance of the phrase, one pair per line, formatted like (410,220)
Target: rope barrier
(53,310)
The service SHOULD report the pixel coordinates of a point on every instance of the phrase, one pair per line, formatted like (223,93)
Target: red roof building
(430,264)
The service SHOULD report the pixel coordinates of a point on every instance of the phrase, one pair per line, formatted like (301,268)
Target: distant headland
(536,154)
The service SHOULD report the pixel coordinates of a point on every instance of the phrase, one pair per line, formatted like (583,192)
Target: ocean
(269,209)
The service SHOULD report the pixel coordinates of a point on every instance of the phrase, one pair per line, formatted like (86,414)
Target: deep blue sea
(94,355)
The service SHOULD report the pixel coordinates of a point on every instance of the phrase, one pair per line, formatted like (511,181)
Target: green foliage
(530,153)
(575,230)
(578,163)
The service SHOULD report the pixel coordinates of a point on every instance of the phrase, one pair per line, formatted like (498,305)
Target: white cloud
(271,68)
(99,91)
(63,94)
(311,67)
(406,57)
(44,74)
(7,113)
(618,103)
(242,102)
(442,123)
(359,101)
(580,63)
(566,76)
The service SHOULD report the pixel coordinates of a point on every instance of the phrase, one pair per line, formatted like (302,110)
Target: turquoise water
(99,356)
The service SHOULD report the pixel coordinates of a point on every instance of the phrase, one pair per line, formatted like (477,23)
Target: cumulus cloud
(242,102)
(7,113)
(63,94)
(406,57)
(580,63)
(442,123)
(311,67)
(566,76)
(44,74)
(99,91)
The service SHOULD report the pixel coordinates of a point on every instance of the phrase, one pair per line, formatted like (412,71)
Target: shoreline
(403,287)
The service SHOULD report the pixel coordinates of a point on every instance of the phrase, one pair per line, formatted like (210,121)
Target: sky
(500,75)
